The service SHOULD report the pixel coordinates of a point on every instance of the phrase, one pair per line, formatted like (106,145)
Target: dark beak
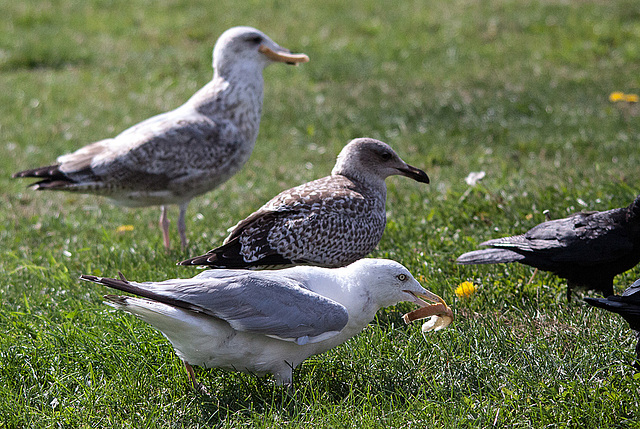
(414,173)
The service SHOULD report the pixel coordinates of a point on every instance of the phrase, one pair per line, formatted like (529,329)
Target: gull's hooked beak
(414,173)
(429,296)
(283,56)
(440,313)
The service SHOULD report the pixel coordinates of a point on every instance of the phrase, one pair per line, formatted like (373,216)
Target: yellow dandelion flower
(616,96)
(465,290)
(124,228)
(631,98)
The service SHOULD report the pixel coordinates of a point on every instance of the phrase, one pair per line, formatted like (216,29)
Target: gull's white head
(248,49)
(382,282)
(370,159)
(388,282)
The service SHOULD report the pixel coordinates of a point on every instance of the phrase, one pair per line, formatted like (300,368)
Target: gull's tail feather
(136,289)
(50,177)
(48,172)
(230,256)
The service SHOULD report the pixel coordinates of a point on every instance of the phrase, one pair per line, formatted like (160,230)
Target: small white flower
(474,177)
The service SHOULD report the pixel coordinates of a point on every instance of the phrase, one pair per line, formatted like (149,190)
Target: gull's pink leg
(192,376)
(182,226)
(164,225)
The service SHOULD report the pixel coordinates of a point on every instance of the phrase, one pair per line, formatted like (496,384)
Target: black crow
(588,249)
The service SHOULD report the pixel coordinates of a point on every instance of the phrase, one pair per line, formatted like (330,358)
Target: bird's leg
(182,226)
(290,391)
(532,276)
(192,376)
(285,377)
(569,291)
(608,289)
(164,225)
(286,380)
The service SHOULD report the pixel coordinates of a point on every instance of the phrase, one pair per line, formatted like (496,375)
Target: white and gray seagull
(329,222)
(172,157)
(268,322)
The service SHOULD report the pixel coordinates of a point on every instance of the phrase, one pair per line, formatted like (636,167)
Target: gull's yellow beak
(282,56)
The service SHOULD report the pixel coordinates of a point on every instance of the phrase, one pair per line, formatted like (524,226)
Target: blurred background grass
(516,89)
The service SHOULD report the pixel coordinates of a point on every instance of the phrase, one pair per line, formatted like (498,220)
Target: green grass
(518,89)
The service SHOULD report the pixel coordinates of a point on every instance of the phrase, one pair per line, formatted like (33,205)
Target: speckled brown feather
(172,157)
(330,222)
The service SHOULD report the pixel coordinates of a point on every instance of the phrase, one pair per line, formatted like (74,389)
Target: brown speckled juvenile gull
(175,156)
(330,222)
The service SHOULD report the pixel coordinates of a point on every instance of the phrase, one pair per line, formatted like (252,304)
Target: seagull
(172,157)
(329,222)
(628,306)
(588,249)
(267,322)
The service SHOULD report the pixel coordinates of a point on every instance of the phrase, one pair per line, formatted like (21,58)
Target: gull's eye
(255,39)
(402,277)
(386,156)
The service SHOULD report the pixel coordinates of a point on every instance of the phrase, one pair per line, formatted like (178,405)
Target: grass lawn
(518,89)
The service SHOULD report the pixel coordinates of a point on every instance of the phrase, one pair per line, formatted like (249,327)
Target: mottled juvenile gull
(175,156)
(329,222)
(266,322)
(588,249)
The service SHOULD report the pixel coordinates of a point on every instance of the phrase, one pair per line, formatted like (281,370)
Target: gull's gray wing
(219,274)
(633,290)
(256,302)
(155,152)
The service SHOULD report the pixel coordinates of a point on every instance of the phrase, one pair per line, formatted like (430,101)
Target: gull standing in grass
(175,156)
(268,322)
(329,222)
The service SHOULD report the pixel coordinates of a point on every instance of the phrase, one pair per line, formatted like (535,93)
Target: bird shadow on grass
(319,382)
(246,396)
